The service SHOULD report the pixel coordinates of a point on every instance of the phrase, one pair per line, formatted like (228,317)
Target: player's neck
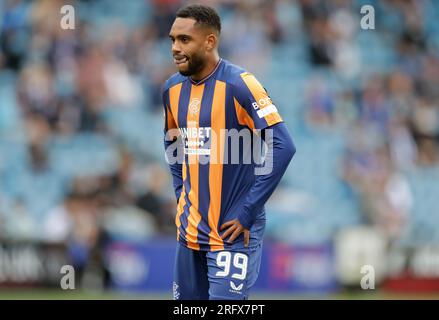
(207,70)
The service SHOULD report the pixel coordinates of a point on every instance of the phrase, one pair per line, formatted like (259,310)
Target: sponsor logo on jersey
(266,111)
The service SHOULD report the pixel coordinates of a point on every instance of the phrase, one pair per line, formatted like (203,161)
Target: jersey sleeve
(170,123)
(169,139)
(280,151)
(254,107)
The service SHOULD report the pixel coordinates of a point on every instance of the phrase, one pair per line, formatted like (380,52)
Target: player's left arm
(280,151)
(256,110)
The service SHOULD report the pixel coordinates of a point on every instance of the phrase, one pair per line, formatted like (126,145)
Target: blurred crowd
(392,116)
(65,82)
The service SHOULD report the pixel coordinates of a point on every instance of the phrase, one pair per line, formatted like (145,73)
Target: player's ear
(211,42)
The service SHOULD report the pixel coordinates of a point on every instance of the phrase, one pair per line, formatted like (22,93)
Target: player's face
(188,46)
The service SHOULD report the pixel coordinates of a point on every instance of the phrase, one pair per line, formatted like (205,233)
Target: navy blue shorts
(224,275)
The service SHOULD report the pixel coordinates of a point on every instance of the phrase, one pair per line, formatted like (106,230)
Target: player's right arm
(173,146)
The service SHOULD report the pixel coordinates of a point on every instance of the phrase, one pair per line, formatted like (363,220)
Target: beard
(195,64)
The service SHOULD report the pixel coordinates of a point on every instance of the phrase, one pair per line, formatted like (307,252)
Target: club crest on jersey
(194,106)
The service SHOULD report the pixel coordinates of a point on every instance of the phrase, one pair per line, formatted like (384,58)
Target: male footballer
(220,196)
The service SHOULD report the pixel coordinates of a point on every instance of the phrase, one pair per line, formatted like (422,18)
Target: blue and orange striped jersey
(214,187)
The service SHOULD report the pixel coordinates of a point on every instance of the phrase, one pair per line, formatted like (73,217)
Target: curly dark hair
(203,15)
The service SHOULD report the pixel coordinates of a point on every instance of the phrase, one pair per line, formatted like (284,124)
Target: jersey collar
(206,77)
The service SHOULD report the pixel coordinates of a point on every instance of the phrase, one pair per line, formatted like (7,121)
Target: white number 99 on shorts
(239,262)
